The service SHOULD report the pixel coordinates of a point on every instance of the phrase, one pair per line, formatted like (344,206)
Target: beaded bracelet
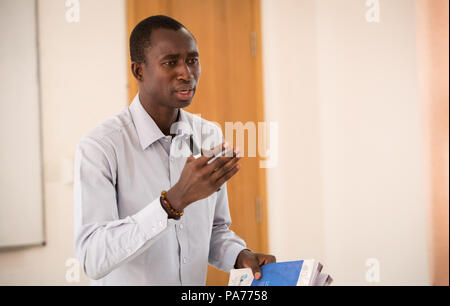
(176,213)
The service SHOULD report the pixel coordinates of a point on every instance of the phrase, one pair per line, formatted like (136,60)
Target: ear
(136,69)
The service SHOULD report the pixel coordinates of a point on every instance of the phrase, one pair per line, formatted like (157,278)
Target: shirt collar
(147,129)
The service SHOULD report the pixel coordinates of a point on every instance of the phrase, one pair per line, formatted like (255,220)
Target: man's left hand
(248,259)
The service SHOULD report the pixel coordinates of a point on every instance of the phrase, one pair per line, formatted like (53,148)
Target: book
(291,273)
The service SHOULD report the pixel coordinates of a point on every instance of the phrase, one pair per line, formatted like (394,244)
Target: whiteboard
(21,195)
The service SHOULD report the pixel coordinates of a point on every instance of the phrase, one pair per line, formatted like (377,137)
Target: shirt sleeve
(225,245)
(102,240)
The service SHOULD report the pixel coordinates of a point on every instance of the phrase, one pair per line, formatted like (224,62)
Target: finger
(216,150)
(225,168)
(207,155)
(209,170)
(203,160)
(221,161)
(228,175)
(225,158)
(272,259)
(264,259)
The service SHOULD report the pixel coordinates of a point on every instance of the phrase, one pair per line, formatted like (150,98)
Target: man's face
(172,69)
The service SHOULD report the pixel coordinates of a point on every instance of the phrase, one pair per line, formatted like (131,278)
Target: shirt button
(160,223)
(129,251)
(181,226)
(184,260)
(154,229)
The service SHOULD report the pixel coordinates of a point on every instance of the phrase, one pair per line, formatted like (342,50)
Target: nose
(184,72)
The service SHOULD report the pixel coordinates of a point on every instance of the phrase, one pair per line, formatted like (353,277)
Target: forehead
(166,41)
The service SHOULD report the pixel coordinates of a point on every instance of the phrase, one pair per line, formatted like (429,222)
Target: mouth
(185,94)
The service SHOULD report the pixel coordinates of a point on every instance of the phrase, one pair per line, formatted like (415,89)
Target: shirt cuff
(152,219)
(231,256)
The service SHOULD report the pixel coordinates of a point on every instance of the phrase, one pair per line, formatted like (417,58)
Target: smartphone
(215,157)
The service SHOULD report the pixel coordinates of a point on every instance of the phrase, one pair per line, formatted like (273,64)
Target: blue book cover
(279,274)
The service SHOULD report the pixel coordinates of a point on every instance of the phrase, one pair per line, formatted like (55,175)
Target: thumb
(257,273)
(190,158)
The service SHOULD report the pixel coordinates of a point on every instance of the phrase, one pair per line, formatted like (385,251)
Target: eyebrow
(176,56)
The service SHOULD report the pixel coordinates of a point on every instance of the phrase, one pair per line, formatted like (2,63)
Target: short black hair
(140,36)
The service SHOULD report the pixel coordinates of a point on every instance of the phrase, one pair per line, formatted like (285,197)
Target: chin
(183,103)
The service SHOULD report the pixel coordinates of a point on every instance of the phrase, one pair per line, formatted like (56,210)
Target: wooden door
(230,90)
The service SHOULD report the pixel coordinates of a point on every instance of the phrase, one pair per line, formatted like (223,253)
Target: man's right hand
(199,180)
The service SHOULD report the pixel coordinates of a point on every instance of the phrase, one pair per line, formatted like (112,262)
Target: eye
(192,61)
(170,64)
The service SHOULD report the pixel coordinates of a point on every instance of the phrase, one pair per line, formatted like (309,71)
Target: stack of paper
(292,273)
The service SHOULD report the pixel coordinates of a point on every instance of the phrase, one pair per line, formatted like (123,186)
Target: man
(145,214)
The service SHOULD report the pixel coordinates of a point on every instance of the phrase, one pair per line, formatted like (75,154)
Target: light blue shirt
(122,234)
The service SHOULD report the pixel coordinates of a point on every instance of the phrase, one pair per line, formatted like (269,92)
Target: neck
(163,116)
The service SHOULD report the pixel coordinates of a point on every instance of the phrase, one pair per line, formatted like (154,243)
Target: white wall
(291,99)
(359,191)
(84,80)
